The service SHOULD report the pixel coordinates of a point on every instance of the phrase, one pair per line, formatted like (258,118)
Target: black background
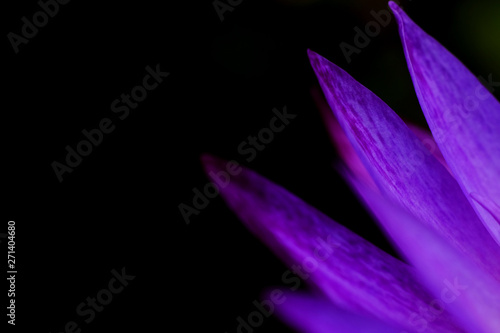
(119,207)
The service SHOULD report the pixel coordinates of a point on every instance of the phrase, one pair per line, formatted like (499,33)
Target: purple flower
(438,206)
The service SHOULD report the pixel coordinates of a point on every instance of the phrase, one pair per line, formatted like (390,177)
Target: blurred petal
(462,114)
(402,167)
(313,315)
(353,273)
(460,286)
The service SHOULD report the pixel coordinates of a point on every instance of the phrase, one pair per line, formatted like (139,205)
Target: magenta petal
(459,285)
(402,167)
(462,114)
(353,273)
(313,315)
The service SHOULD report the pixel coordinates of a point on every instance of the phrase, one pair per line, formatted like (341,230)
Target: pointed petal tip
(311,53)
(212,163)
(326,71)
(462,114)
(395,7)
(317,61)
(207,159)
(313,58)
(399,13)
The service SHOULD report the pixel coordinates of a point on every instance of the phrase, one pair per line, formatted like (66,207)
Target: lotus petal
(353,273)
(314,315)
(402,167)
(463,115)
(459,285)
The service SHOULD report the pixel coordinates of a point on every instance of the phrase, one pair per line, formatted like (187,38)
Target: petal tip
(314,58)
(398,13)
(311,53)
(395,7)
(211,163)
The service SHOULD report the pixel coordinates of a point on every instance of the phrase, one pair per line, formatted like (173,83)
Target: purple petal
(492,208)
(313,315)
(353,273)
(341,142)
(426,138)
(402,167)
(459,285)
(462,114)
(347,151)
